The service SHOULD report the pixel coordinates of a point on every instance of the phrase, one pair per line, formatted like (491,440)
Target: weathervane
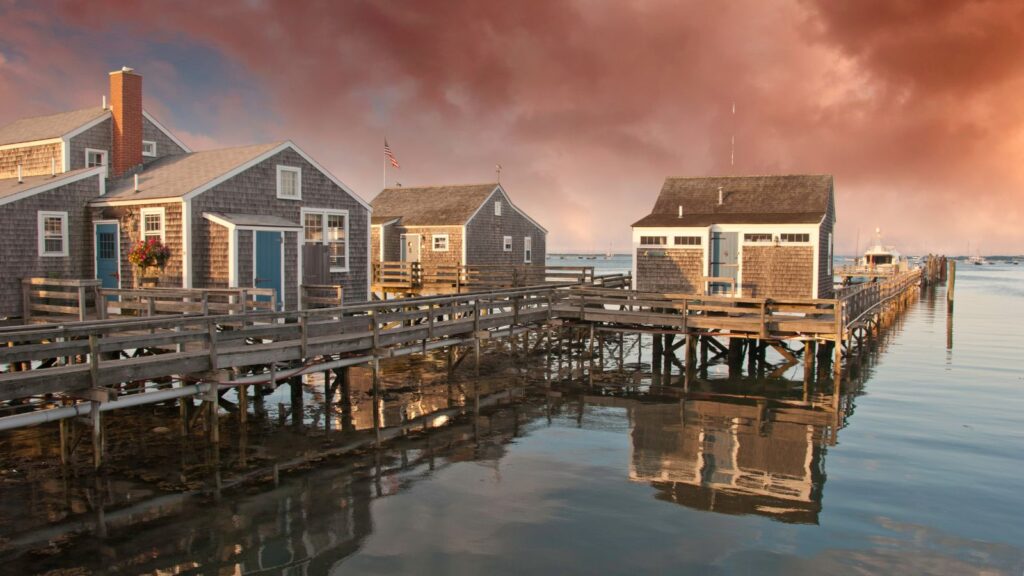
(497,171)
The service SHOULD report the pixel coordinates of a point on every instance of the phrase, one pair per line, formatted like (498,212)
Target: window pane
(337,252)
(757,237)
(105,245)
(653,240)
(289,183)
(336,239)
(53,244)
(314,228)
(795,237)
(153,223)
(687,240)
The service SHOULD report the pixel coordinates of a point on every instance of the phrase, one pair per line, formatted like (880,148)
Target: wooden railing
(205,301)
(397,274)
(614,280)
(57,297)
(758,317)
(475,277)
(322,295)
(101,353)
(860,299)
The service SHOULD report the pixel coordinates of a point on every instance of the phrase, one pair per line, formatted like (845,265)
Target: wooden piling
(950,286)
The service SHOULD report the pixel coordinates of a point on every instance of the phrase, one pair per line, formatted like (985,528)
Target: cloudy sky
(915,106)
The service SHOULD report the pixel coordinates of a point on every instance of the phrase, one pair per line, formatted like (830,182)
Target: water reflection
(732,458)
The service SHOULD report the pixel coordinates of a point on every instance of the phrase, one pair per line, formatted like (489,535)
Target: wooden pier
(95,366)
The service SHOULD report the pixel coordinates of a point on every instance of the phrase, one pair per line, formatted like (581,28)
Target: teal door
(268,263)
(107,258)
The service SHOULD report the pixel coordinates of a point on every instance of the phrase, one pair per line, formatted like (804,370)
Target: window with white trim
(507,243)
(686,240)
(53,233)
(757,237)
(497,208)
(289,182)
(653,240)
(151,224)
(94,157)
(440,242)
(149,148)
(794,238)
(330,228)
(527,250)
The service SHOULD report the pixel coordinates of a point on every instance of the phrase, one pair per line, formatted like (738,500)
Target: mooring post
(97,435)
(476,356)
(375,381)
(212,414)
(66,433)
(668,355)
(656,355)
(950,285)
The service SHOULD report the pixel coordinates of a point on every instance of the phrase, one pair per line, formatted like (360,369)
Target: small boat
(977,260)
(882,258)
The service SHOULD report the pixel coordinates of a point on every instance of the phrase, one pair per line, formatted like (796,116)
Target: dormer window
(497,208)
(149,148)
(289,182)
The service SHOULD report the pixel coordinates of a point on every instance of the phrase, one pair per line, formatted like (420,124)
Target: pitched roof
(431,205)
(790,199)
(10,187)
(176,176)
(50,126)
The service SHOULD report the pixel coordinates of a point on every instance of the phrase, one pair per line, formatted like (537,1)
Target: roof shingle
(790,199)
(431,205)
(50,126)
(176,176)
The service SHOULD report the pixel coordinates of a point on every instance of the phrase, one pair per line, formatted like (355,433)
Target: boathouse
(264,216)
(468,225)
(751,236)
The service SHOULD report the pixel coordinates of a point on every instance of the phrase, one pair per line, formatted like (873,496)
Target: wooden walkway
(98,365)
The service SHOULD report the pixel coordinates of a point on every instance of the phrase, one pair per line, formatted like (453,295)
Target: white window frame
(433,242)
(153,144)
(160,211)
(808,242)
(41,217)
(506,244)
(527,250)
(323,213)
(772,239)
(298,181)
(99,151)
(497,207)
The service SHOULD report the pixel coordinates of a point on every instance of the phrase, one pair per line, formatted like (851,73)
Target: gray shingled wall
(825,280)
(429,258)
(215,267)
(34,160)
(255,192)
(677,270)
(245,269)
(485,233)
(19,244)
(97,137)
(164,145)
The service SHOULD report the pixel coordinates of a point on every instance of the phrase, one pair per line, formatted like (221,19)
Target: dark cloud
(913,105)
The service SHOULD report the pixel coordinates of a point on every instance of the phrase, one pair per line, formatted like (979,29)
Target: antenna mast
(732,144)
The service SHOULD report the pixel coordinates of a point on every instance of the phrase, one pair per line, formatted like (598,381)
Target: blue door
(268,263)
(724,260)
(107,259)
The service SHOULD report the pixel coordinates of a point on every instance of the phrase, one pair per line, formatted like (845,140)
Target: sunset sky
(915,106)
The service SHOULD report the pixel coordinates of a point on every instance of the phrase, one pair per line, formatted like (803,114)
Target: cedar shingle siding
(254,191)
(19,250)
(778,271)
(485,234)
(34,160)
(677,270)
(129,223)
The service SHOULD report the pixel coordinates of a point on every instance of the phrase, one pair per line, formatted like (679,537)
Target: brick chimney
(126,111)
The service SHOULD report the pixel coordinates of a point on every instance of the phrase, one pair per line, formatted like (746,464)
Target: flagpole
(385,165)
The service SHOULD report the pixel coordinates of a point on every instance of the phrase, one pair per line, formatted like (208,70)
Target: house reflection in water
(731,457)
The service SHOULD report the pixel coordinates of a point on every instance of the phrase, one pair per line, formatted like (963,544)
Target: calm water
(921,471)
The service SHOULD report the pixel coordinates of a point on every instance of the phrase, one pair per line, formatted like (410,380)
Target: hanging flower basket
(149,257)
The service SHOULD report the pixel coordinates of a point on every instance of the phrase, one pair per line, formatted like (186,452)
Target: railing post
(206,303)
(151,306)
(211,330)
(81,303)
(101,303)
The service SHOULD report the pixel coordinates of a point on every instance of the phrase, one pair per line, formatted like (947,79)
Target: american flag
(389,155)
